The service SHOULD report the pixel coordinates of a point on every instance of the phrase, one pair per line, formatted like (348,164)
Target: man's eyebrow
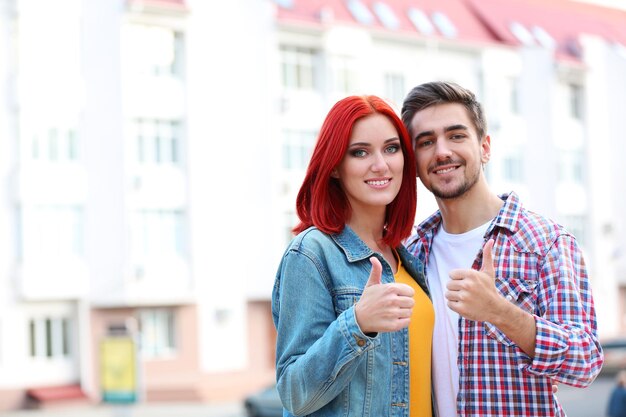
(445,129)
(424,133)
(455,127)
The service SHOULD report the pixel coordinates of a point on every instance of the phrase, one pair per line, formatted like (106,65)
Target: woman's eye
(359,153)
(392,149)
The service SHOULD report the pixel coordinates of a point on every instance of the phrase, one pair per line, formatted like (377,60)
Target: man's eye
(424,143)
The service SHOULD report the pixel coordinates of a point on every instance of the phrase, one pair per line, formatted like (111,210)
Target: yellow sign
(118,368)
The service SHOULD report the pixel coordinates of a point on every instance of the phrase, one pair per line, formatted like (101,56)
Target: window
(360,12)
(157,332)
(345,75)
(297,148)
(386,15)
(54,231)
(421,21)
(394,88)
(513,167)
(513,93)
(576,101)
(571,165)
(522,34)
(543,37)
(55,144)
(161,50)
(157,141)
(444,24)
(158,234)
(49,337)
(298,68)
(285,4)
(576,225)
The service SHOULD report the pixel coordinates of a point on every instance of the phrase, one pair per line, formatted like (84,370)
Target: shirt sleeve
(317,350)
(566,344)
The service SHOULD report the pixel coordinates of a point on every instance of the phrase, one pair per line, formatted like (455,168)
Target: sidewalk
(138,410)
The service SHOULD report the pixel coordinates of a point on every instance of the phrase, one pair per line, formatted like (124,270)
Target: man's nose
(442,148)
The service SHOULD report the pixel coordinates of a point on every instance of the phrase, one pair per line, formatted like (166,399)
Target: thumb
(487,266)
(375,274)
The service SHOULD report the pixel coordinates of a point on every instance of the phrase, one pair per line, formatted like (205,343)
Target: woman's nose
(379,163)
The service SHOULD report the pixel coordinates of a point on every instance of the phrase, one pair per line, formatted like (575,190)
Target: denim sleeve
(566,344)
(317,351)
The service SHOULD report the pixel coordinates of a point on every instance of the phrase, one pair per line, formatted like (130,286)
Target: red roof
(477,20)
(468,28)
(563,20)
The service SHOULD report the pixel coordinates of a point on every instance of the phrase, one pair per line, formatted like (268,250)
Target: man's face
(448,151)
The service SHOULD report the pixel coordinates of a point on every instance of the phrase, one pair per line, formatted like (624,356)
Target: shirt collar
(507,218)
(509,214)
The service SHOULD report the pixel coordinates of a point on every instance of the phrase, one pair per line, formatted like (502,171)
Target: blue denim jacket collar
(356,250)
(352,245)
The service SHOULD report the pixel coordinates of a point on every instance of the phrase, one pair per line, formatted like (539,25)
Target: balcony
(52,279)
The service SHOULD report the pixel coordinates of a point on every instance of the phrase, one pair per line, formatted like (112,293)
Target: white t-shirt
(448,251)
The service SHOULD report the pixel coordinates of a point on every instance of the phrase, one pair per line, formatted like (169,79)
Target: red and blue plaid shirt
(540,268)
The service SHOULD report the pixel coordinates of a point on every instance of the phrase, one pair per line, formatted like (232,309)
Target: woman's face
(370,172)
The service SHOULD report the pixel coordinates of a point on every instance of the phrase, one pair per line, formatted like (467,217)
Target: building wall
(232,184)
(170,377)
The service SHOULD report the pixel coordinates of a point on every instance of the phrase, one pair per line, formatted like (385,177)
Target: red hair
(322,203)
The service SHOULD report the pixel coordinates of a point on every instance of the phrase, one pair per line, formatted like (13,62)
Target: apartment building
(547,72)
(151,152)
(127,189)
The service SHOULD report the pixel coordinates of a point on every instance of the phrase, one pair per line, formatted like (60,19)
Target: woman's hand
(383,307)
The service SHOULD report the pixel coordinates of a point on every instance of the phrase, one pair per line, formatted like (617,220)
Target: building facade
(151,152)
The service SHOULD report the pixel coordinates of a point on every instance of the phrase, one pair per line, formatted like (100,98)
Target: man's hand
(383,307)
(472,293)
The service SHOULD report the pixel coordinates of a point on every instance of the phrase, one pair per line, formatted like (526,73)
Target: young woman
(351,306)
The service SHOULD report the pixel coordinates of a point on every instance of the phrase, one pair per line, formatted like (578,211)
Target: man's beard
(459,191)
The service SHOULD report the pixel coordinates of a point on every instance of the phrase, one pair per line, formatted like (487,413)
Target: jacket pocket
(346,297)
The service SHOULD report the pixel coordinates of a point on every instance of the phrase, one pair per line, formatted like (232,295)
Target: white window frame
(158,332)
(49,337)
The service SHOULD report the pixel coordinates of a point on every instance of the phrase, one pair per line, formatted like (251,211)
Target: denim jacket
(325,364)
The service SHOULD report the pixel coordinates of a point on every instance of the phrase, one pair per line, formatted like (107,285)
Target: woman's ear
(334,173)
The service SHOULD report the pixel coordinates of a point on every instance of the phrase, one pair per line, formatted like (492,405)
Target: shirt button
(509,297)
(360,342)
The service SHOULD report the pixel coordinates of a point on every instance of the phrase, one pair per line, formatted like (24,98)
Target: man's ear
(485,149)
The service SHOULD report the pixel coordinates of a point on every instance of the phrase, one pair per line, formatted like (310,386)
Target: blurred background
(151,151)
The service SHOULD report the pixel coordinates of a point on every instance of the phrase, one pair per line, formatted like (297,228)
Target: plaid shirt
(540,268)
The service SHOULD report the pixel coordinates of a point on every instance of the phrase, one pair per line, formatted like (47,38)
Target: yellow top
(420,347)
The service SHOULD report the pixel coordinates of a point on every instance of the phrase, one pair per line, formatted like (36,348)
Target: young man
(513,305)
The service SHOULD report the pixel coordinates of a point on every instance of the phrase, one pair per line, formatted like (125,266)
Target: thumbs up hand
(383,307)
(376,274)
(472,293)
